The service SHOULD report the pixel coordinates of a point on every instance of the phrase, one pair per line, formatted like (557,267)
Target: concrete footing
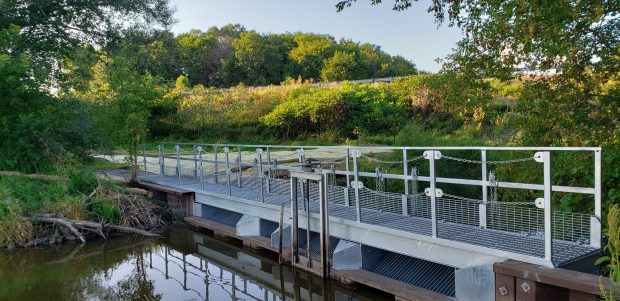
(475,283)
(353,256)
(253,226)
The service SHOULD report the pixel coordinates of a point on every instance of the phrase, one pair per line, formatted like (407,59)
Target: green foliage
(82,181)
(341,66)
(105,210)
(612,249)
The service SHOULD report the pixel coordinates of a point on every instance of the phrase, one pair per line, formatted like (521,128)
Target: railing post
(239,166)
(595,223)
(346,165)
(482,208)
(405,197)
(259,154)
(295,223)
(216,169)
(178,148)
(226,151)
(144,157)
(202,183)
(195,164)
(358,209)
(548,210)
(302,155)
(160,150)
(268,170)
(430,155)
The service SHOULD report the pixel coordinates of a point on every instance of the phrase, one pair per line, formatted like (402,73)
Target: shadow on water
(186,266)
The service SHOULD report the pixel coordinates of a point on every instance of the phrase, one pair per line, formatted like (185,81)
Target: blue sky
(412,34)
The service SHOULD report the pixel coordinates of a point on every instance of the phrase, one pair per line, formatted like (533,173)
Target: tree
(259,58)
(341,66)
(310,53)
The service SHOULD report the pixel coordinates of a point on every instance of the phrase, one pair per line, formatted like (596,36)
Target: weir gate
(433,217)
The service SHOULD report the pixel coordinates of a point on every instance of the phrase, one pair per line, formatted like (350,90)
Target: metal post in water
(259,154)
(358,209)
(178,148)
(324,232)
(482,208)
(226,151)
(202,183)
(239,166)
(268,170)
(216,169)
(295,223)
(306,195)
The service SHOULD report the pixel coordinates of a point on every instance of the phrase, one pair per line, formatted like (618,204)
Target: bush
(81,181)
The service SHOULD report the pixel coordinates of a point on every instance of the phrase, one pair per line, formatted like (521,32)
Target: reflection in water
(187,266)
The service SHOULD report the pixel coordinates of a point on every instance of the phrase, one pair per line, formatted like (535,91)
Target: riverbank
(72,204)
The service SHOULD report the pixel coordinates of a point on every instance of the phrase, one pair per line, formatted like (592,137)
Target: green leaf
(601,260)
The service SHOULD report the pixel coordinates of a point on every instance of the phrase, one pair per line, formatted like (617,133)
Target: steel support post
(162,166)
(268,170)
(595,224)
(259,154)
(178,149)
(482,208)
(144,157)
(358,209)
(324,233)
(346,166)
(405,182)
(306,194)
(548,210)
(216,169)
(226,151)
(433,191)
(239,167)
(195,163)
(295,223)
(202,183)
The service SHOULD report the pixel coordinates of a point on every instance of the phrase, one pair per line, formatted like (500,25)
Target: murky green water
(185,266)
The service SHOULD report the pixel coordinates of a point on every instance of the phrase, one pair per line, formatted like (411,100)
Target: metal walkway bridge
(404,199)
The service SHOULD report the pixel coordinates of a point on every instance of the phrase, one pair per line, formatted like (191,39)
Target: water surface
(185,266)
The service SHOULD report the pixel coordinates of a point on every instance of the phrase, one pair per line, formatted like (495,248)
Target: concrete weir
(428,245)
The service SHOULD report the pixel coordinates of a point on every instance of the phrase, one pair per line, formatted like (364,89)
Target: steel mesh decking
(457,220)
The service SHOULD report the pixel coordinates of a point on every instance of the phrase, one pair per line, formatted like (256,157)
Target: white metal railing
(205,163)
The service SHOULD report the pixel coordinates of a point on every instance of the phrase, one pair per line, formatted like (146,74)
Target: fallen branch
(132,230)
(65,223)
(139,191)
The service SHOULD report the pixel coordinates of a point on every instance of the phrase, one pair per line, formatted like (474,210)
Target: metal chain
(391,162)
(488,162)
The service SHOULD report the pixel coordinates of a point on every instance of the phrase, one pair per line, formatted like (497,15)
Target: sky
(412,34)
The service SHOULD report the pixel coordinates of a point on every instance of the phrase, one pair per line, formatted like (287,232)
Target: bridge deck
(564,251)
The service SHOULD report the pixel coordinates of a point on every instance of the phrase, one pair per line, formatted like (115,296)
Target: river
(186,265)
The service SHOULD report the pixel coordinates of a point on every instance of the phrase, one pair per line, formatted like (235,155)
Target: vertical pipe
(216,169)
(306,195)
(595,235)
(268,170)
(548,210)
(239,166)
(346,166)
(433,191)
(295,225)
(144,157)
(161,160)
(405,197)
(259,154)
(482,208)
(178,148)
(202,183)
(195,164)
(226,151)
(358,209)
(324,232)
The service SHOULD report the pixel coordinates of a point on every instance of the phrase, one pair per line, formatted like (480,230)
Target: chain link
(391,162)
(519,160)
